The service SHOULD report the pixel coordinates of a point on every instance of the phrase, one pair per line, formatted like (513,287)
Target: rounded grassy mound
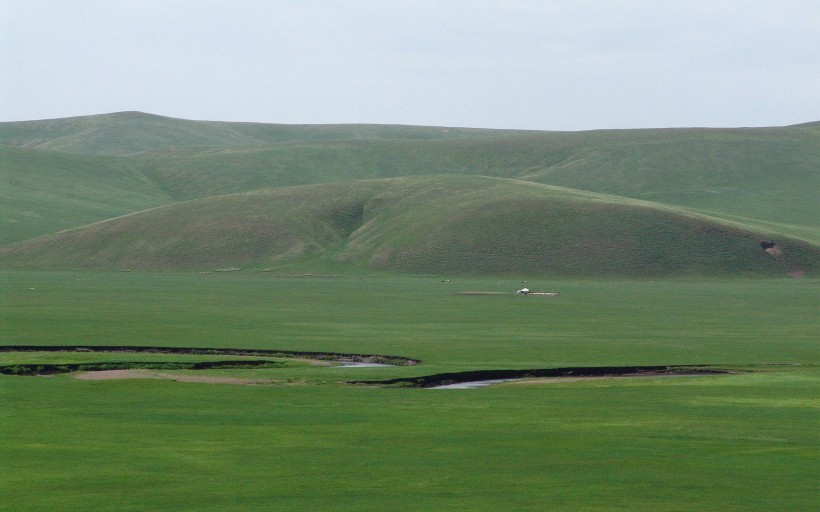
(441,224)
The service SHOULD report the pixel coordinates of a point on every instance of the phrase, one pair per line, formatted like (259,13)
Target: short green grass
(736,443)
(617,322)
(745,441)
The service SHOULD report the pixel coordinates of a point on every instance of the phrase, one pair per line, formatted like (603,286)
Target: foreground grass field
(745,441)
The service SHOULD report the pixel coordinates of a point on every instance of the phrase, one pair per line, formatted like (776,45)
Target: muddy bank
(529,381)
(50,369)
(496,376)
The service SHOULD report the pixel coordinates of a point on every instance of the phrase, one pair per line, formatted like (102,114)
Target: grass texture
(746,441)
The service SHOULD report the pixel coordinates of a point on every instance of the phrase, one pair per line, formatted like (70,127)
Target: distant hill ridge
(127,133)
(66,173)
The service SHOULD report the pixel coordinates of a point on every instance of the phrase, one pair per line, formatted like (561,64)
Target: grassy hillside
(450,224)
(768,178)
(42,192)
(65,173)
(731,177)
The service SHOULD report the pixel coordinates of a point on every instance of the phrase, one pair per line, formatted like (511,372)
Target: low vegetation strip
(443,379)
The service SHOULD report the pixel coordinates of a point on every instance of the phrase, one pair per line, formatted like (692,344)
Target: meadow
(674,247)
(741,441)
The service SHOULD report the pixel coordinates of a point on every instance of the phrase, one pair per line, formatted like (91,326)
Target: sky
(523,64)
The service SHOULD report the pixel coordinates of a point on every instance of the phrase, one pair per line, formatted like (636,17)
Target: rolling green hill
(128,133)
(767,178)
(66,173)
(440,224)
(42,192)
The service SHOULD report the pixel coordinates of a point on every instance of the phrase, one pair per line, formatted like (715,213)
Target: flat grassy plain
(744,441)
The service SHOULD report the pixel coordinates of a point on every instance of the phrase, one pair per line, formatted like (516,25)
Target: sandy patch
(115,375)
(558,380)
(147,374)
(212,380)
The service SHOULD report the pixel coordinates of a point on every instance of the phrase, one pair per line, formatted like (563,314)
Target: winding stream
(344,359)
(458,380)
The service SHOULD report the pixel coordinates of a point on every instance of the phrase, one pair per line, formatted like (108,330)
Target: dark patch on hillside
(793,269)
(347,218)
(771,248)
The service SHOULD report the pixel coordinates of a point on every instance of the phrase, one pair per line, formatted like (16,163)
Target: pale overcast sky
(546,65)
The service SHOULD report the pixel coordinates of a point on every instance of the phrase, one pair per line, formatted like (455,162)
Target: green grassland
(363,239)
(592,322)
(744,441)
(737,443)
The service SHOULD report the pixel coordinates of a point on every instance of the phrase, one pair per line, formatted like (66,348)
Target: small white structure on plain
(523,291)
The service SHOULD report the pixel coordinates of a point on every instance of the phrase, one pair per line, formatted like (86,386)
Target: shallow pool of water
(473,385)
(356,364)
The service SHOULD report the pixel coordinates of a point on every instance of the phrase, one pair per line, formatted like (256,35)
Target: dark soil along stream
(50,369)
(482,378)
(468,380)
